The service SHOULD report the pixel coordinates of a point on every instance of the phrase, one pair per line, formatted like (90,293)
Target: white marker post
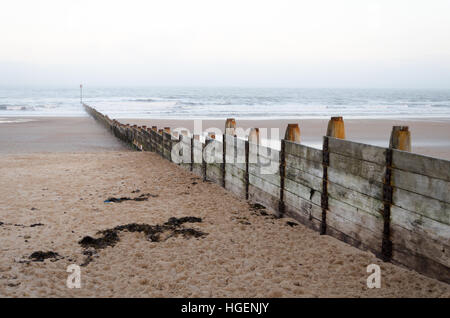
(81,94)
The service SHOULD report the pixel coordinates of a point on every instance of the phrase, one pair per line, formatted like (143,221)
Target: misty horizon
(350,44)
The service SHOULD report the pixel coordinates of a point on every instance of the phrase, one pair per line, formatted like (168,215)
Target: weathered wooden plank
(302,191)
(214,171)
(352,233)
(303,151)
(374,223)
(264,185)
(406,257)
(235,171)
(258,195)
(357,150)
(306,207)
(432,167)
(255,170)
(237,189)
(431,208)
(304,178)
(420,224)
(302,215)
(197,169)
(418,183)
(361,168)
(354,182)
(421,245)
(369,204)
(235,180)
(311,167)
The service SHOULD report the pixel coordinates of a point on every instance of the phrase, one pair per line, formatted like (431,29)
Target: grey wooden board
(402,255)
(420,224)
(431,208)
(235,180)
(302,191)
(311,167)
(303,151)
(304,178)
(427,186)
(307,207)
(432,167)
(302,215)
(355,182)
(264,185)
(256,194)
(357,150)
(263,154)
(256,171)
(421,245)
(234,188)
(365,169)
(233,170)
(374,223)
(359,233)
(214,170)
(197,169)
(369,204)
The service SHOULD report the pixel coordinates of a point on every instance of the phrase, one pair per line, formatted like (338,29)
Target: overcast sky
(324,43)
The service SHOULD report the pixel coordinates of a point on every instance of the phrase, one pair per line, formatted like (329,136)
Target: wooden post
(247,178)
(336,128)
(150,136)
(253,144)
(400,138)
(292,133)
(253,136)
(230,126)
(204,164)
(194,137)
(324,196)
(386,244)
(282,169)
(224,154)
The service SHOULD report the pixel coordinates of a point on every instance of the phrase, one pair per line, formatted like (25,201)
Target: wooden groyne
(391,202)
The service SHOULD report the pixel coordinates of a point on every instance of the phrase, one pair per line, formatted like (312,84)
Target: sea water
(220,103)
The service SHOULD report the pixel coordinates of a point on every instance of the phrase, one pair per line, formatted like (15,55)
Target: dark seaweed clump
(142,197)
(40,256)
(110,237)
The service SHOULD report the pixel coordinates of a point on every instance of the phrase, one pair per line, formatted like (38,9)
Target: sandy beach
(53,193)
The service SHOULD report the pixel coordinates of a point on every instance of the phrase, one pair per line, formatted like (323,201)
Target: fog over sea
(219,103)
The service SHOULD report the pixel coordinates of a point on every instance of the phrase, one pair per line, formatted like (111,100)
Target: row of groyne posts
(389,201)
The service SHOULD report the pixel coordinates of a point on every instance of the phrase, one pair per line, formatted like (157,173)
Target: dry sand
(265,258)
(244,254)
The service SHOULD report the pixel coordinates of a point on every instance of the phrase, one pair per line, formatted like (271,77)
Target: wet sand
(51,201)
(52,134)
